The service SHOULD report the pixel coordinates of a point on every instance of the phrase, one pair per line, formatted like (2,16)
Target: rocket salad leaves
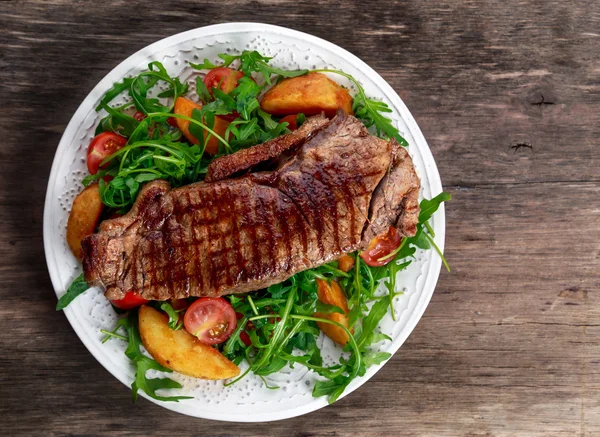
(277,326)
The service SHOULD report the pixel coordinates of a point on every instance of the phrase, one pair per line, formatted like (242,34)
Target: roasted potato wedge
(346,263)
(185,107)
(181,351)
(331,293)
(310,95)
(84,217)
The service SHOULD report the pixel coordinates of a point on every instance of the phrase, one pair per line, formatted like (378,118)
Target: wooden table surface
(507,95)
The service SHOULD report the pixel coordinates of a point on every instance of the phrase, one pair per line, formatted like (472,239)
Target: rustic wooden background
(506,93)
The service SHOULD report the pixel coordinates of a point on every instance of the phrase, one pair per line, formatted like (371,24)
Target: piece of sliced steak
(243,234)
(225,166)
(395,202)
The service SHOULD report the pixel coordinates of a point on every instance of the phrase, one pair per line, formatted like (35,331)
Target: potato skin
(83,218)
(179,350)
(185,107)
(310,95)
(331,293)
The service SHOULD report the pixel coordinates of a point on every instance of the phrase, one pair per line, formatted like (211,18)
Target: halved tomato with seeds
(211,319)
(102,146)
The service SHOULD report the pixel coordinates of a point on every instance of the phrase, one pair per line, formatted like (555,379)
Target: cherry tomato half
(130,301)
(245,338)
(224,78)
(291,120)
(102,146)
(210,319)
(139,115)
(381,246)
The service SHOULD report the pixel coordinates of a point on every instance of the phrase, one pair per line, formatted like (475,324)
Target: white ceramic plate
(248,400)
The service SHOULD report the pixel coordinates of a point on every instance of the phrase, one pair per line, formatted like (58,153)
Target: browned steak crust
(243,234)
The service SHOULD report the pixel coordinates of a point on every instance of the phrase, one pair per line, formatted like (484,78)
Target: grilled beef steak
(339,187)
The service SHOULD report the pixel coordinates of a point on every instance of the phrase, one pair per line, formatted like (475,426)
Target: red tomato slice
(130,301)
(210,319)
(172,121)
(224,78)
(291,120)
(139,115)
(102,146)
(245,338)
(381,246)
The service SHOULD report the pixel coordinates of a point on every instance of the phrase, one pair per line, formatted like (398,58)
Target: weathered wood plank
(509,343)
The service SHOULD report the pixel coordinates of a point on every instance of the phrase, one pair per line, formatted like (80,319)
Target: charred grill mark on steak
(242,234)
(286,238)
(239,259)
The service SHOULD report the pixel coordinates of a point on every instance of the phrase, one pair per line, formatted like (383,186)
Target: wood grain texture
(507,94)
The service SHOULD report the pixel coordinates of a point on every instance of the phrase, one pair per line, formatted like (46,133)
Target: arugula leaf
(420,240)
(77,287)
(175,322)
(267,120)
(369,323)
(278,290)
(233,342)
(377,337)
(300,119)
(116,89)
(246,95)
(202,91)
(141,84)
(151,385)
(428,207)
(370,112)
(206,118)
(206,65)
(393,268)
(117,121)
(375,358)
(332,388)
(179,89)
(327,308)
(280,129)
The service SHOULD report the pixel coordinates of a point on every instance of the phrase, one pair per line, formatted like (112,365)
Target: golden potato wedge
(346,263)
(310,95)
(83,219)
(185,107)
(179,350)
(331,293)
